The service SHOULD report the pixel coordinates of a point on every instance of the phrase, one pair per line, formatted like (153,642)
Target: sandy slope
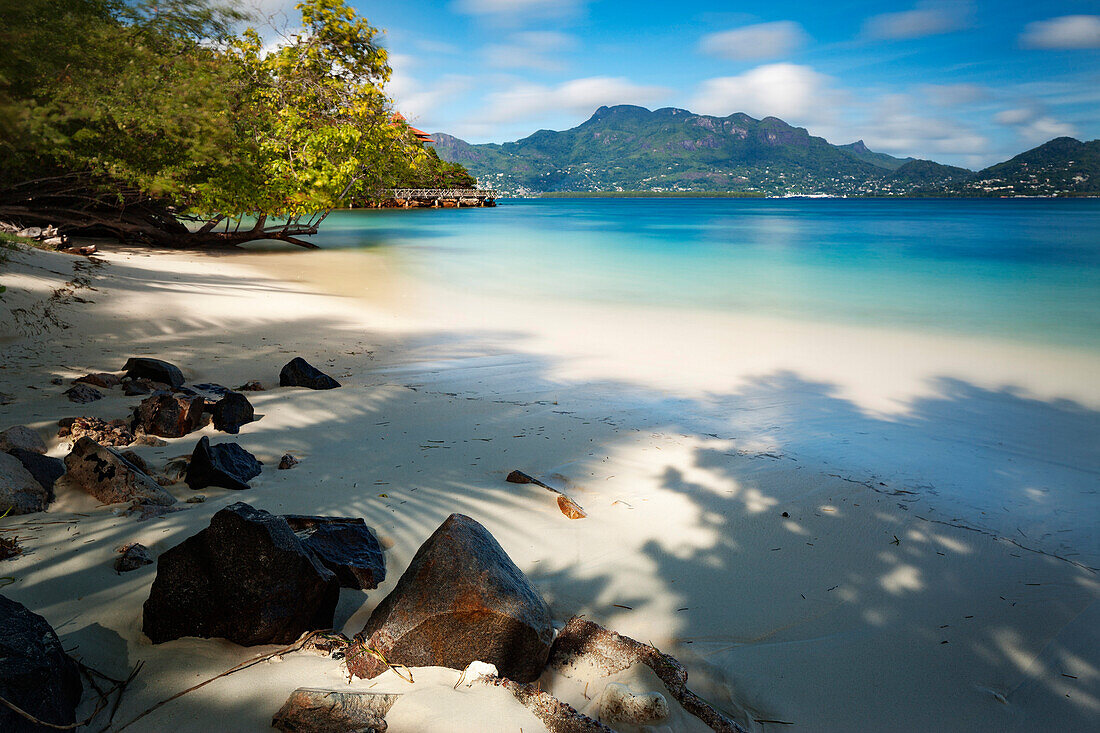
(933,572)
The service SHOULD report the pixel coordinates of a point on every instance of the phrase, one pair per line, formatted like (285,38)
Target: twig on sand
(243,665)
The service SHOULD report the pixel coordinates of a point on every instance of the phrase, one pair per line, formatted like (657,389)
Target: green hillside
(627,148)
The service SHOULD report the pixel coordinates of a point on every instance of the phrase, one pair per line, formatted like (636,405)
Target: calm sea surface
(1028,270)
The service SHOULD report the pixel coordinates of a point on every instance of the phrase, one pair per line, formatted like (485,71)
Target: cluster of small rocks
(302,560)
(254,578)
(49,236)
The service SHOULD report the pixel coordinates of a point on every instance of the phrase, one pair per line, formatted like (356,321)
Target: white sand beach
(838,528)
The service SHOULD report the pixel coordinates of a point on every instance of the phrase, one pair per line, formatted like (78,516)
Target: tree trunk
(76,206)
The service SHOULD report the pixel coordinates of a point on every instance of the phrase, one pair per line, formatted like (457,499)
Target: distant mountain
(882,160)
(1061,165)
(628,148)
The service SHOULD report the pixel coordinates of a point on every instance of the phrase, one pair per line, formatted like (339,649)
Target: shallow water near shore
(1025,270)
(953,345)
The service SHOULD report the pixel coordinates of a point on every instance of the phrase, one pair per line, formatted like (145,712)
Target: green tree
(147,120)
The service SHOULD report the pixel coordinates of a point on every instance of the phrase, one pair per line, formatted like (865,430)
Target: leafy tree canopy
(157,110)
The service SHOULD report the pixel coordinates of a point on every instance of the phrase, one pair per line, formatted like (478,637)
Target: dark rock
(344,545)
(300,373)
(251,385)
(461,599)
(133,557)
(169,416)
(20,493)
(227,465)
(83,393)
(20,436)
(115,432)
(85,249)
(287,461)
(58,381)
(106,475)
(154,369)
(99,379)
(137,461)
(231,412)
(35,673)
(135,387)
(309,710)
(196,499)
(210,388)
(45,469)
(246,578)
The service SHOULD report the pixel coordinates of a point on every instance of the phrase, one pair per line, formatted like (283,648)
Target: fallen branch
(242,666)
(567,506)
(583,643)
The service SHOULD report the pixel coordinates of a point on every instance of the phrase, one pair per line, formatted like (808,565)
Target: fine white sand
(934,572)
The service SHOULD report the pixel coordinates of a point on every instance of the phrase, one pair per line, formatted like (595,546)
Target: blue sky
(958,81)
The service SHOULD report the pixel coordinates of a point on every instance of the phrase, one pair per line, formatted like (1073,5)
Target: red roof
(418,134)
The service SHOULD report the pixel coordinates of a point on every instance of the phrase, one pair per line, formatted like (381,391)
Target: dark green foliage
(131,117)
(435,173)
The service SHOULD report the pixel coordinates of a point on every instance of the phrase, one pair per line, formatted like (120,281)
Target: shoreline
(684,475)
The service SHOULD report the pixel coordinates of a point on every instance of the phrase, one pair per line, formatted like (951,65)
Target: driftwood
(78,203)
(330,711)
(567,506)
(557,716)
(586,644)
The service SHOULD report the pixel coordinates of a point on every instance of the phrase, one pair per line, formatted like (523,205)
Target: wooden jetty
(438,198)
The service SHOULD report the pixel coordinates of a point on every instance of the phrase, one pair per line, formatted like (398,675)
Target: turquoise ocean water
(1023,269)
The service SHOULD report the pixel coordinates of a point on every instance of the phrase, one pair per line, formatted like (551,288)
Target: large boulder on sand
(246,578)
(231,412)
(461,599)
(158,371)
(20,436)
(45,469)
(300,373)
(20,493)
(344,545)
(167,415)
(35,673)
(106,475)
(226,465)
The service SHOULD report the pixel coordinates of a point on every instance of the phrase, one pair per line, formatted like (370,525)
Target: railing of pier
(444,193)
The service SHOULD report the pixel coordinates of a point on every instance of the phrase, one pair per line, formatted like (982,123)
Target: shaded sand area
(835,528)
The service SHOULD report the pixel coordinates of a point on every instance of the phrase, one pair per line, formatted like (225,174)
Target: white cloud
(1033,125)
(897,123)
(789,91)
(578,96)
(926,19)
(1014,116)
(1067,32)
(760,41)
(539,50)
